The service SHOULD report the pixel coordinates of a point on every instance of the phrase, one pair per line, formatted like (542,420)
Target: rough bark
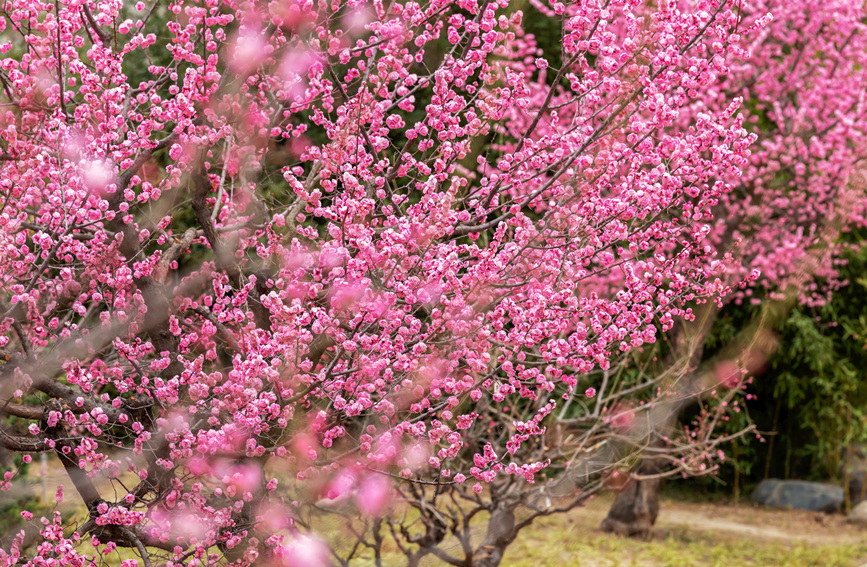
(501,532)
(634,511)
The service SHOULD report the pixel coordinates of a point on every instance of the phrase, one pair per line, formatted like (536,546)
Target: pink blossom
(374,494)
(307,242)
(304,551)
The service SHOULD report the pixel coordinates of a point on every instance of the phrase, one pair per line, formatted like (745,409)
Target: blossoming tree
(267,259)
(804,87)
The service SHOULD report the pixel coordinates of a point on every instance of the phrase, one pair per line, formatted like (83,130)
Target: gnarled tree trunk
(501,532)
(634,511)
(636,508)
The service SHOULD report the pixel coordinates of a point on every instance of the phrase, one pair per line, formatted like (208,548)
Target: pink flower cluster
(378,240)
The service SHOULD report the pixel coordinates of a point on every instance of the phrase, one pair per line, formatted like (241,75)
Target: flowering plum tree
(804,87)
(267,259)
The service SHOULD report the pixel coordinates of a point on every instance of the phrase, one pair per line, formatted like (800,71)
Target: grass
(559,542)
(573,540)
(688,534)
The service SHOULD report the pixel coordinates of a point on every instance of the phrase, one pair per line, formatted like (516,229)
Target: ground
(689,534)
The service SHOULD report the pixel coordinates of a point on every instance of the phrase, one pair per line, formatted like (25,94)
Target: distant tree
(803,88)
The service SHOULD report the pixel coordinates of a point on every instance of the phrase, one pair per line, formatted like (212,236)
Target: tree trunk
(635,509)
(501,532)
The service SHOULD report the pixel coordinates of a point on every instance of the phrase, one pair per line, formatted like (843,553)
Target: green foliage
(818,374)
(810,400)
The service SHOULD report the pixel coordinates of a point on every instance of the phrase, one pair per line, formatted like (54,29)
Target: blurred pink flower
(373,494)
(303,551)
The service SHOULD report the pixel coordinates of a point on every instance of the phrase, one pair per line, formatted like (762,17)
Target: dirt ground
(694,534)
(746,520)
